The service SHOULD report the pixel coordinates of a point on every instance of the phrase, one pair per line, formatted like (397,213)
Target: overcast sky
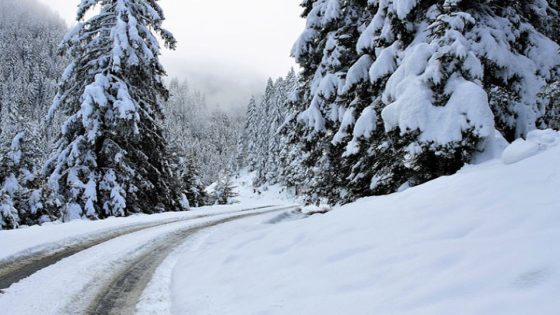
(226,48)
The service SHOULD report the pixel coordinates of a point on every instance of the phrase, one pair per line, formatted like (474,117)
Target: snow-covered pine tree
(20,172)
(262,147)
(251,133)
(551,94)
(423,73)
(518,64)
(279,159)
(318,52)
(420,97)
(29,34)
(292,171)
(275,119)
(224,191)
(264,130)
(182,111)
(241,149)
(9,215)
(326,51)
(112,158)
(194,189)
(23,181)
(204,136)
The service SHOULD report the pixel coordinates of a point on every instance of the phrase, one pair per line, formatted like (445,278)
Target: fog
(227,49)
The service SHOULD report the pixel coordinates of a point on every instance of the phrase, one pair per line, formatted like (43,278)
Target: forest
(332,157)
(387,95)
(201,141)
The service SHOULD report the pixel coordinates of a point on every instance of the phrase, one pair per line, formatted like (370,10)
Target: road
(117,291)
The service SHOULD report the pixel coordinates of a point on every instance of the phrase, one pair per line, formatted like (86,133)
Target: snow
(267,194)
(94,98)
(404,7)
(70,285)
(158,296)
(313,117)
(365,126)
(332,11)
(15,154)
(385,64)
(478,242)
(328,86)
(11,184)
(49,235)
(348,120)
(357,73)
(413,108)
(537,142)
(494,147)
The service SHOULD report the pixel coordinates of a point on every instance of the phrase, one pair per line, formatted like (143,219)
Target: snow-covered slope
(483,241)
(247,194)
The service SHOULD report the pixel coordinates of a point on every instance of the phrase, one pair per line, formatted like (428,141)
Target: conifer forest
(396,126)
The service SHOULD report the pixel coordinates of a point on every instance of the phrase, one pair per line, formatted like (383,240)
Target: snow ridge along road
(21,266)
(121,296)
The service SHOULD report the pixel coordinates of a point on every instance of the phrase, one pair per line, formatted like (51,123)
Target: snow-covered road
(104,272)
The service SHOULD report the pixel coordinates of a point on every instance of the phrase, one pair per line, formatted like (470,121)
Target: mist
(226,49)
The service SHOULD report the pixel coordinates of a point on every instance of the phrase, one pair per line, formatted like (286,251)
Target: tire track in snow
(122,294)
(21,266)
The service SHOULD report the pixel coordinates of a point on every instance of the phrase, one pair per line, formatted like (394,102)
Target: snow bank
(267,194)
(479,242)
(537,141)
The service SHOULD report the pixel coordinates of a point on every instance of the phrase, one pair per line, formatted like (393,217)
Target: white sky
(226,48)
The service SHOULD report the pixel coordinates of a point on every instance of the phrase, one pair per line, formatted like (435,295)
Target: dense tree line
(29,68)
(260,145)
(203,139)
(396,93)
(390,94)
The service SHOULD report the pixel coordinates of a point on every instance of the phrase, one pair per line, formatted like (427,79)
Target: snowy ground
(71,285)
(479,242)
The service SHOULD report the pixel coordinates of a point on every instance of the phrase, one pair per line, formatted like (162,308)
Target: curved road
(13,270)
(121,293)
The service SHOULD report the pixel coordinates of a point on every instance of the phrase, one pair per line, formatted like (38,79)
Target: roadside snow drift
(483,241)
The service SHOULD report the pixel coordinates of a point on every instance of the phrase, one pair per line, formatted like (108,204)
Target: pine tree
(194,189)
(9,217)
(292,171)
(200,135)
(250,135)
(225,190)
(262,135)
(19,170)
(185,168)
(263,148)
(551,93)
(401,92)
(326,51)
(29,33)
(275,119)
(112,158)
